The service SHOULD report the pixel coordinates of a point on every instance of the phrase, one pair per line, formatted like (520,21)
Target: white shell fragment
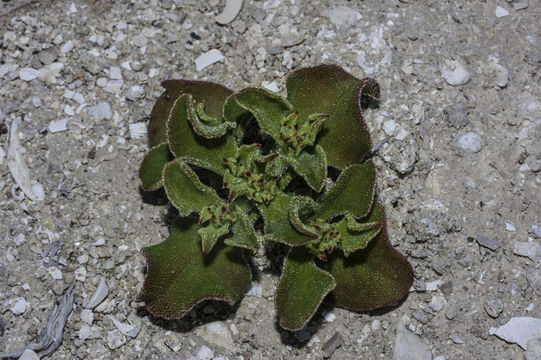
(99,295)
(58,125)
(126,329)
(527,249)
(28,74)
(454,72)
(138,130)
(16,163)
(208,58)
(231,10)
(519,330)
(2,155)
(501,12)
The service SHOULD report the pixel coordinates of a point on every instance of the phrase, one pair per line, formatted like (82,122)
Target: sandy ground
(459,175)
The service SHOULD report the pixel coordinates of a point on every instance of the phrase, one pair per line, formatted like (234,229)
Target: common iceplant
(210,161)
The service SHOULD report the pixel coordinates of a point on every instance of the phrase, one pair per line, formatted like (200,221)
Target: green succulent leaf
(216,220)
(370,278)
(269,108)
(311,166)
(210,235)
(328,89)
(186,143)
(278,227)
(356,235)
(212,95)
(204,125)
(353,192)
(151,169)
(184,189)
(179,275)
(244,235)
(301,289)
(300,208)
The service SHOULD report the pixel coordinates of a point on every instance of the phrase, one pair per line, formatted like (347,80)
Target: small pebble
(135,92)
(206,59)
(509,226)
(36,101)
(494,307)
(470,142)
(456,339)
(520,5)
(420,316)
(329,317)
(101,111)
(47,56)
(205,353)
(19,306)
(55,273)
(115,73)
(389,126)
(115,339)
(501,12)
(140,40)
(28,74)
(487,242)
(67,47)
(58,125)
(87,316)
(455,72)
(29,355)
(437,303)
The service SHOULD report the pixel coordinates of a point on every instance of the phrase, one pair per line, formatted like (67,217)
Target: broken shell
(231,10)
(99,295)
(16,164)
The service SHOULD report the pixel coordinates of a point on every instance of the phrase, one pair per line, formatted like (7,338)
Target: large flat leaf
(184,189)
(179,275)
(212,95)
(184,142)
(151,169)
(328,89)
(301,289)
(370,278)
(278,226)
(353,192)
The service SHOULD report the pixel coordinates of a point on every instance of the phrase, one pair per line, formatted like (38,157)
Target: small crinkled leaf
(370,278)
(353,192)
(210,235)
(243,233)
(300,208)
(328,89)
(184,189)
(278,227)
(356,235)
(269,108)
(202,124)
(151,169)
(184,142)
(212,95)
(311,166)
(301,289)
(179,275)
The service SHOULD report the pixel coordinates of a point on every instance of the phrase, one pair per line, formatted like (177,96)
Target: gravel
(459,165)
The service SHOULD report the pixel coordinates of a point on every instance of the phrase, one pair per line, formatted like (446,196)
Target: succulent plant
(212,164)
